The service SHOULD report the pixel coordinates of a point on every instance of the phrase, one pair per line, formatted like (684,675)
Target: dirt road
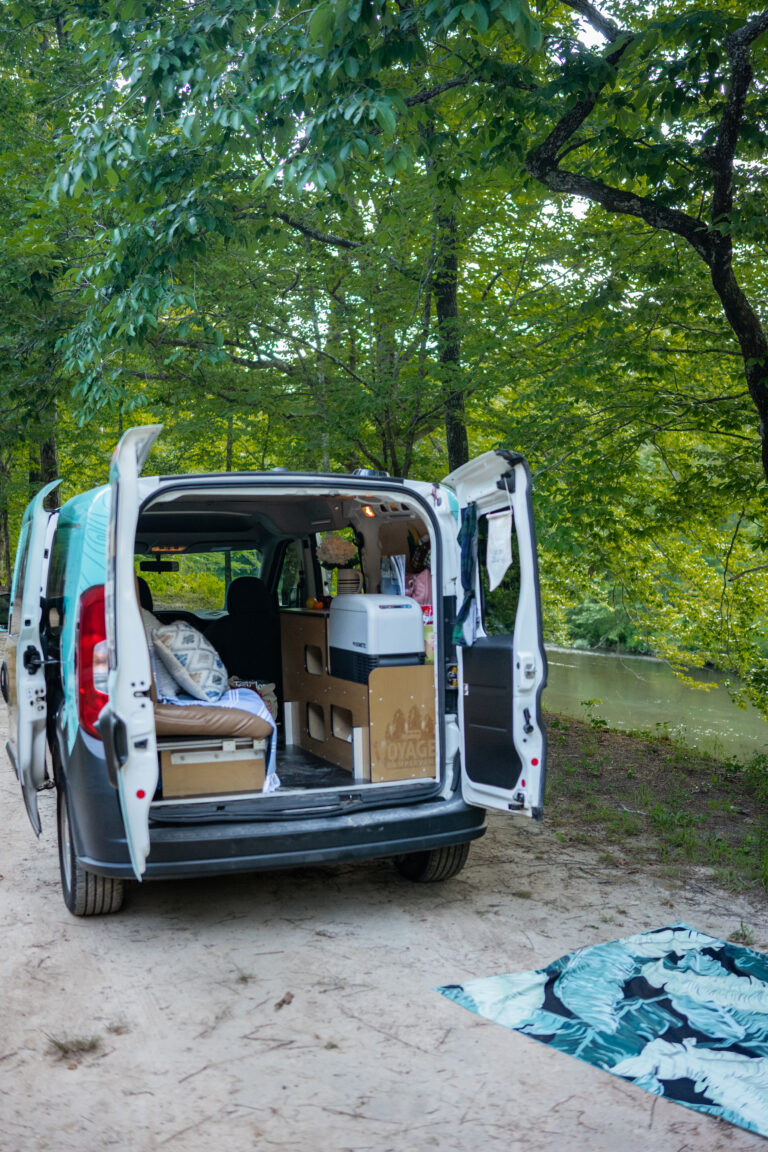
(297,1010)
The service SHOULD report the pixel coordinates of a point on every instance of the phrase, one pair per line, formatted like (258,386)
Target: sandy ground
(201,1047)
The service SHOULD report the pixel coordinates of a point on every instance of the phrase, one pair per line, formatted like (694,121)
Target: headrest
(145,594)
(248,594)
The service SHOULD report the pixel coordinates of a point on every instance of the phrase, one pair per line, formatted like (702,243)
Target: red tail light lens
(91,658)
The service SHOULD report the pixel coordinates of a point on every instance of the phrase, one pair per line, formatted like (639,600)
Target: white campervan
(244,671)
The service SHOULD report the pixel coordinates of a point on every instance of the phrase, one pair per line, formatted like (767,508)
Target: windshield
(202,579)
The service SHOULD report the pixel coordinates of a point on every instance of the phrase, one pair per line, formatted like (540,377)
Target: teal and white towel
(679,1013)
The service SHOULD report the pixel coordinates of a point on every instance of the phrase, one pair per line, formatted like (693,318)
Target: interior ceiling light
(168,548)
(368,511)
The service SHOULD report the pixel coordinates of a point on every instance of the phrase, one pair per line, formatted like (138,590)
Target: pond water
(636,692)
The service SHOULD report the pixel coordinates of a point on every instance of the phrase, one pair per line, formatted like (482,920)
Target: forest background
(394,235)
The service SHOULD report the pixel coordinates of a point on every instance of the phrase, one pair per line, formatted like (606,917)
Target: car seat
(248,638)
(145,593)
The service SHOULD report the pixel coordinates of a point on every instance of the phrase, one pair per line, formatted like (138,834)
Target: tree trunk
(750,334)
(49,459)
(44,466)
(445,289)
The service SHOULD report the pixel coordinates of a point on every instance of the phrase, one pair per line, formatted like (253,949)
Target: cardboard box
(215,768)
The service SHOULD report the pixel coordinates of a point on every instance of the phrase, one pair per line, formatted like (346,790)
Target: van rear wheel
(436,864)
(85,893)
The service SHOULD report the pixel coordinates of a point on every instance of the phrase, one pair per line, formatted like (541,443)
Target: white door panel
(127,722)
(501,677)
(29,752)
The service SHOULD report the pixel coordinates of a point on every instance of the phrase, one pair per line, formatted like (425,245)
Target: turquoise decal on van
(84,521)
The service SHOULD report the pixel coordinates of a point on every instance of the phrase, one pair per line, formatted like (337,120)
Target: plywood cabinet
(383,730)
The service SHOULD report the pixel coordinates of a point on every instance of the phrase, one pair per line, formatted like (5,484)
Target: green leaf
(386,118)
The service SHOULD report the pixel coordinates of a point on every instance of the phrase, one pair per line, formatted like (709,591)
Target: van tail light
(91,658)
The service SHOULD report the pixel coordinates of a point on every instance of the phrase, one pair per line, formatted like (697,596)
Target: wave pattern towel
(679,1013)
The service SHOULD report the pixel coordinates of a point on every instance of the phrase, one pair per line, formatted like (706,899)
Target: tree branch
(315,233)
(600,23)
(696,351)
(721,156)
(428,94)
(543,163)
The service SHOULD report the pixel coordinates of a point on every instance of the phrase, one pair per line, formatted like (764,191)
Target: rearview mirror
(159,565)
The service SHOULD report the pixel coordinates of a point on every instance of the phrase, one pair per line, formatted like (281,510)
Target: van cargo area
(344,659)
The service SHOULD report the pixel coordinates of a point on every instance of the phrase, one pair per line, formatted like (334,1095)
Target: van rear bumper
(204,848)
(253,846)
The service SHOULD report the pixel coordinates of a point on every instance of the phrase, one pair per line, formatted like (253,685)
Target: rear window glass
(202,579)
(20,576)
(58,565)
(499,607)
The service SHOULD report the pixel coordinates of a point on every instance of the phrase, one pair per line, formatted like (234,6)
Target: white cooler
(367,632)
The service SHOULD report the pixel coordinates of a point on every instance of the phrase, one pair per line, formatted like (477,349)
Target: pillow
(192,660)
(165,685)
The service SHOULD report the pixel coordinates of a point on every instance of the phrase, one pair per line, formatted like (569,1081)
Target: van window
(291,586)
(57,567)
(499,607)
(336,550)
(201,583)
(54,592)
(14,622)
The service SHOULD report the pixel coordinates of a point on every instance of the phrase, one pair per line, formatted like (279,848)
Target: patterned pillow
(191,659)
(166,686)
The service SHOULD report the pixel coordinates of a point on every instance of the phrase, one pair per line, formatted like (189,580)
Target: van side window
(336,550)
(291,586)
(54,594)
(14,622)
(499,607)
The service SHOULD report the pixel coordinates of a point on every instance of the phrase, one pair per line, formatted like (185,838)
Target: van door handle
(113,732)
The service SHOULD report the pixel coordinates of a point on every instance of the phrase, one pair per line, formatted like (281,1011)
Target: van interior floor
(298,768)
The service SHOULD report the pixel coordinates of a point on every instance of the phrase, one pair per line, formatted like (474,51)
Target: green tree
(665,124)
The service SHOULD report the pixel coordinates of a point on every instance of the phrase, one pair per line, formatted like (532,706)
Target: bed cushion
(207,720)
(191,659)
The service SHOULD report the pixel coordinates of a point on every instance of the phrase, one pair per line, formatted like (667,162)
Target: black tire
(434,865)
(85,893)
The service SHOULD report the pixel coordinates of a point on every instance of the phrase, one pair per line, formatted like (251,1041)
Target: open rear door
(501,676)
(127,722)
(26,671)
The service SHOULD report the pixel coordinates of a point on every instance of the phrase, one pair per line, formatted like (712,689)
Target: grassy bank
(647,800)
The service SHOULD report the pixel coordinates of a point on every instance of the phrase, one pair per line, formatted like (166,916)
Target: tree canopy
(342,233)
